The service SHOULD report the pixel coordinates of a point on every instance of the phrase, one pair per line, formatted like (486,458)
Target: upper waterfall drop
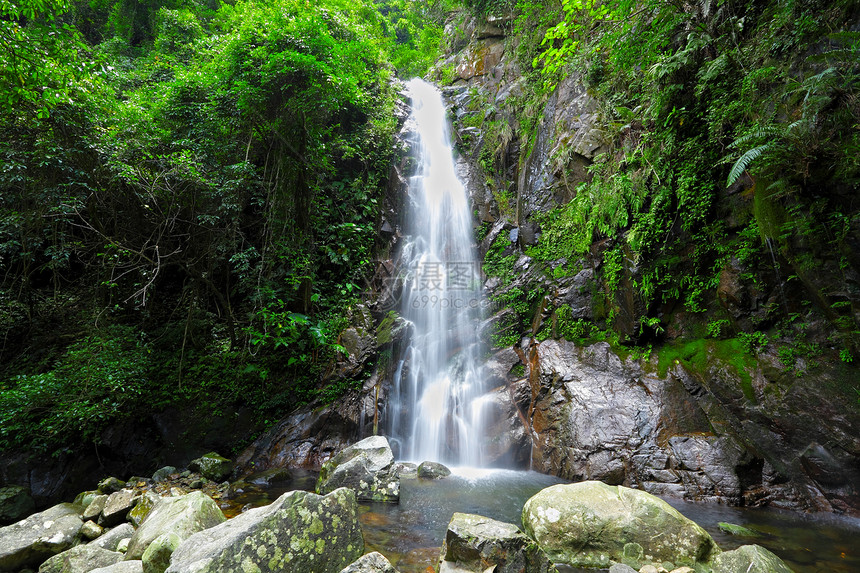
(434,409)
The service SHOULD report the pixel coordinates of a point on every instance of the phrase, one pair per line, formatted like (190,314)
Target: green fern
(741,164)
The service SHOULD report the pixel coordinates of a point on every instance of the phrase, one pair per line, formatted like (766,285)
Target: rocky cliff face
(692,417)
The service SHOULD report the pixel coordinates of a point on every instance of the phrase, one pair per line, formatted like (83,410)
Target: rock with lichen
(300,531)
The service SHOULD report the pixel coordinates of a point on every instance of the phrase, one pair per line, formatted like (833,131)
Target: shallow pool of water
(410,533)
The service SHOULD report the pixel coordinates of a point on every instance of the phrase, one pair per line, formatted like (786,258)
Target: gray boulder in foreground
(300,531)
(588,524)
(474,542)
(80,559)
(183,516)
(749,559)
(31,541)
(371,563)
(366,467)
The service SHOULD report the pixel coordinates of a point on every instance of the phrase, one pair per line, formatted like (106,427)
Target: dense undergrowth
(189,201)
(730,147)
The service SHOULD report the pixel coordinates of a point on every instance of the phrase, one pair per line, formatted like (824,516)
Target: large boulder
(749,559)
(29,542)
(474,543)
(371,563)
(212,466)
(300,531)
(80,559)
(15,503)
(590,524)
(183,516)
(366,467)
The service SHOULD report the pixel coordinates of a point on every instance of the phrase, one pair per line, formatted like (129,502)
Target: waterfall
(434,411)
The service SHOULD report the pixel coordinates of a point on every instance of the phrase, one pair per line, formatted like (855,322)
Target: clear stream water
(410,533)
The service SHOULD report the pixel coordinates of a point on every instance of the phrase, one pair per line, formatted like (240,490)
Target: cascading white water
(433,410)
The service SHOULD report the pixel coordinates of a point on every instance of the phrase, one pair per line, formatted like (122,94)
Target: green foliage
(209,176)
(752,342)
(496,262)
(98,381)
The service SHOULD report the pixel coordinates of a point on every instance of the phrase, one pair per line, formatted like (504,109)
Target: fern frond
(741,164)
(759,133)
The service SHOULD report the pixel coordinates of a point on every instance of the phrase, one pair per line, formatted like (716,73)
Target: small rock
(648,569)
(433,470)
(156,558)
(138,481)
(135,566)
(163,474)
(117,506)
(196,484)
(85,498)
(405,470)
(123,544)
(749,559)
(80,559)
(96,506)
(15,503)
(370,563)
(212,466)
(621,568)
(91,530)
(738,530)
(364,467)
(683,570)
(145,504)
(110,485)
(185,474)
(474,543)
(111,538)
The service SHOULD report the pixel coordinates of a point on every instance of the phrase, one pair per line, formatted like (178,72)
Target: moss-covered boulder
(433,470)
(80,559)
(42,535)
(300,531)
(588,524)
(156,558)
(183,516)
(366,467)
(212,466)
(474,543)
(749,559)
(145,505)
